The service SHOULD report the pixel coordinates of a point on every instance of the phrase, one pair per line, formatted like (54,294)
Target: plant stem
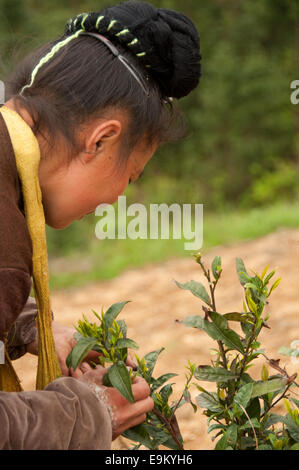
(222,352)
(166,422)
(212,287)
(255,437)
(278,400)
(182,396)
(251,338)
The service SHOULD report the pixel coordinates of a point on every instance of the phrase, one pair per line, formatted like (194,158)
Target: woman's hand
(64,343)
(124,415)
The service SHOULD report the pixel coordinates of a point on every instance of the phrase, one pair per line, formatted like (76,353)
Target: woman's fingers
(130,424)
(138,379)
(131,363)
(141,407)
(85,367)
(140,390)
(133,415)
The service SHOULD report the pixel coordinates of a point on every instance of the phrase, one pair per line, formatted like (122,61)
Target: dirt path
(157,303)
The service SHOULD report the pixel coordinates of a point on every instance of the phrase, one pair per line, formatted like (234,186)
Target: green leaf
(139,434)
(247,329)
(119,377)
(123,327)
(262,388)
(214,374)
(247,442)
(97,348)
(229,438)
(219,320)
(294,447)
(150,362)
(243,395)
(206,401)
(213,427)
(78,336)
(194,321)
(156,383)
(241,270)
(126,343)
(216,267)
(171,444)
(165,392)
(266,281)
(80,351)
(239,317)
(248,425)
(158,433)
(265,447)
(250,285)
(197,289)
(254,409)
(188,399)
(218,330)
(113,312)
(275,285)
(292,427)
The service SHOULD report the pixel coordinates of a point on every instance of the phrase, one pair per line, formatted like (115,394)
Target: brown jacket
(67,414)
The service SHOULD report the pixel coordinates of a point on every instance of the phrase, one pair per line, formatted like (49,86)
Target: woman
(99,103)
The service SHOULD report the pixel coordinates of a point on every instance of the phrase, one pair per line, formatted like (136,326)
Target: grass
(91,259)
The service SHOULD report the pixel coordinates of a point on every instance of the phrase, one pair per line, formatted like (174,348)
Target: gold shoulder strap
(27,154)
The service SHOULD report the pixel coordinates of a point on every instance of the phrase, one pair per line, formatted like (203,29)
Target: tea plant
(109,338)
(240,408)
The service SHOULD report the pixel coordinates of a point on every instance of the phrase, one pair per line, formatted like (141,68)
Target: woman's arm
(71,414)
(65,415)
(23,332)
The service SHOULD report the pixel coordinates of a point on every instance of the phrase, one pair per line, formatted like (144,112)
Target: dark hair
(83,80)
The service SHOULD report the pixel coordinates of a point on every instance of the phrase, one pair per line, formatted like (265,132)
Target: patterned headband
(138,77)
(136,74)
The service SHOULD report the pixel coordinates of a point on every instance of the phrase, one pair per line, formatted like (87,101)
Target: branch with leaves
(109,338)
(240,409)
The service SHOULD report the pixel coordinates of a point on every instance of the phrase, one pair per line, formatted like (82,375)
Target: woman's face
(93,177)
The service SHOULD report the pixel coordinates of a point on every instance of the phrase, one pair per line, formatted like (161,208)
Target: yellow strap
(27,154)
(9,381)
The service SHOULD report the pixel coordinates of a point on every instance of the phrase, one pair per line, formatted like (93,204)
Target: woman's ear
(103,138)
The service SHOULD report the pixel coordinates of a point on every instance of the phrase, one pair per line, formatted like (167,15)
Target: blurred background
(241,156)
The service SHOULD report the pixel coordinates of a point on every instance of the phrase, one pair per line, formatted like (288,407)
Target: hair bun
(168,42)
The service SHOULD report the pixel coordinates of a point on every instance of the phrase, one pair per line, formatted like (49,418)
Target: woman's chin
(58,224)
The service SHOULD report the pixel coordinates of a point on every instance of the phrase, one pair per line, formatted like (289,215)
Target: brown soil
(157,302)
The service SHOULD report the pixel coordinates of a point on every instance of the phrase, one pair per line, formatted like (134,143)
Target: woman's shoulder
(9,180)
(15,242)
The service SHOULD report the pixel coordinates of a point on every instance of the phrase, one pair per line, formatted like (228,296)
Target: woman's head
(77,87)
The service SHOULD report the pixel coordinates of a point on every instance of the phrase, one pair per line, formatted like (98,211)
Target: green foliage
(197,289)
(109,338)
(240,408)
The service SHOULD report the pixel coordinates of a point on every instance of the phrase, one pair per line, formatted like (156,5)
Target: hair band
(136,74)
